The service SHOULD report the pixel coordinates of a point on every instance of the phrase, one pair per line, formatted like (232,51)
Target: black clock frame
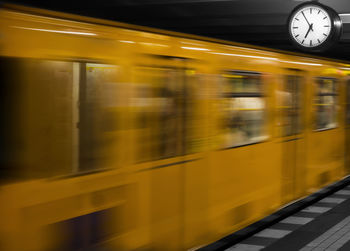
(331,40)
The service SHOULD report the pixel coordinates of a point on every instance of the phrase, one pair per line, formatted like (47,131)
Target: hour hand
(310,29)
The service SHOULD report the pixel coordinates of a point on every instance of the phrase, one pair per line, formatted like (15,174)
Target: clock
(314,27)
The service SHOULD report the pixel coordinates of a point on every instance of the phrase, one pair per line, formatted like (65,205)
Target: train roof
(110,23)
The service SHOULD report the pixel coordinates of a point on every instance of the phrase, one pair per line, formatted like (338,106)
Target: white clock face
(310,26)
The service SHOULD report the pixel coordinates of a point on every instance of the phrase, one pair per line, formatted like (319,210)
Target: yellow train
(118,137)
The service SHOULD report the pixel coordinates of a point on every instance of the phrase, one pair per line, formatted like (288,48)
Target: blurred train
(118,137)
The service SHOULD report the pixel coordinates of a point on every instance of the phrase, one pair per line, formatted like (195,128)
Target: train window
(290,103)
(9,110)
(40,135)
(244,109)
(325,104)
(166,113)
(101,104)
(158,104)
(66,117)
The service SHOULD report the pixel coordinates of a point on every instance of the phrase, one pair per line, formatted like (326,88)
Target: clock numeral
(325,34)
(318,12)
(318,41)
(302,41)
(310,42)
(296,19)
(297,36)
(295,27)
(310,10)
(326,26)
(325,17)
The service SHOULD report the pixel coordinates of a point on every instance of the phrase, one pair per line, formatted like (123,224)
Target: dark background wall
(261,22)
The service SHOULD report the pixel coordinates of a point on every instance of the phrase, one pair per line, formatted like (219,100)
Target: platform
(318,222)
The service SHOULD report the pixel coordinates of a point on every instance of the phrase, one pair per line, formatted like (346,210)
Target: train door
(293,141)
(347,128)
(163,109)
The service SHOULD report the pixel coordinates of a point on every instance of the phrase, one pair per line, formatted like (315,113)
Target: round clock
(314,27)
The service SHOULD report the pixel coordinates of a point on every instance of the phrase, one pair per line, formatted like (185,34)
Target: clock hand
(307,20)
(308,31)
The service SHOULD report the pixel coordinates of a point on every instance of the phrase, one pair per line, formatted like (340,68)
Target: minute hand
(307,21)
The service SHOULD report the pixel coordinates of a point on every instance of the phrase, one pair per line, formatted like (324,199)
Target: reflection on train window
(244,109)
(290,104)
(325,104)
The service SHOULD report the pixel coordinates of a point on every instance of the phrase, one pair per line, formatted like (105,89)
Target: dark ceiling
(261,22)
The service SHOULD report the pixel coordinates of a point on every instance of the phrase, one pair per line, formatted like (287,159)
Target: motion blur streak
(57,31)
(194,48)
(302,63)
(244,56)
(127,141)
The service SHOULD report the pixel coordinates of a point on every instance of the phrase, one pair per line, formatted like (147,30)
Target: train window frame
(261,94)
(317,94)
